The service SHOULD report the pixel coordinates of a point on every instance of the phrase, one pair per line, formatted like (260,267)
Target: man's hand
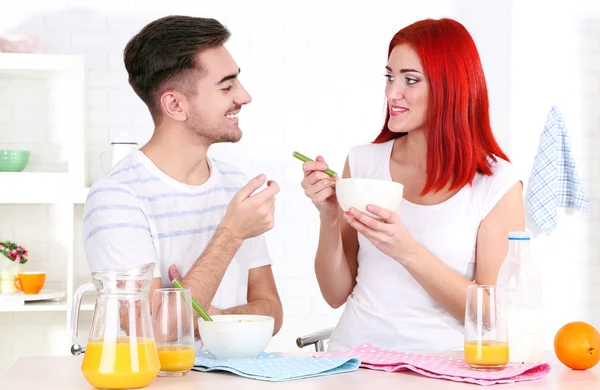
(247,216)
(174,273)
(250,215)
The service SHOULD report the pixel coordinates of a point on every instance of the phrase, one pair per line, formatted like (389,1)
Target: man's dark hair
(163,56)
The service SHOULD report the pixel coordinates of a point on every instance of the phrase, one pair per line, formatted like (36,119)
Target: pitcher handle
(89,286)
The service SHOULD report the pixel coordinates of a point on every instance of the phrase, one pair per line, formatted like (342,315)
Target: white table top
(64,373)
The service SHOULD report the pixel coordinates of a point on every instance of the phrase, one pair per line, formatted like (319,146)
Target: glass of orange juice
(486,341)
(173,323)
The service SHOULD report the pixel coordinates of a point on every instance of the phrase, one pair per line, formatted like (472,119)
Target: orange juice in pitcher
(121,349)
(116,366)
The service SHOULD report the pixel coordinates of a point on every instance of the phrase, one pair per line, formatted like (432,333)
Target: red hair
(459,135)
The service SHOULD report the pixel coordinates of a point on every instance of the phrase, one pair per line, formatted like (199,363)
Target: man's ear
(174,105)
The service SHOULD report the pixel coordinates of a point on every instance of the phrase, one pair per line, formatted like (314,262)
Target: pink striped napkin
(441,367)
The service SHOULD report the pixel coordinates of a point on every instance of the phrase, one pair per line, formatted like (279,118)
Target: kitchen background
(314,70)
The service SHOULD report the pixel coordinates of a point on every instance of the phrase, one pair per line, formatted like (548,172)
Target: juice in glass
(486,354)
(120,365)
(173,322)
(176,358)
(486,339)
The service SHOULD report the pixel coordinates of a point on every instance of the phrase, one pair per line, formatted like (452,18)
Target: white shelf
(34,187)
(24,64)
(40,188)
(80,196)
(87,304)
(42,306)
(34,306)
(65,79)
(46,300)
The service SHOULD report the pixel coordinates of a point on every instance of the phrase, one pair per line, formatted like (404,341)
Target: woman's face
(406,90)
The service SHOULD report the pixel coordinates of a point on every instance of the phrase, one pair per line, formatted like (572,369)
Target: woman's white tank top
(388,308)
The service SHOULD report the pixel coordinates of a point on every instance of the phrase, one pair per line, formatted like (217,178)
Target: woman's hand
(320,187)
(389,234)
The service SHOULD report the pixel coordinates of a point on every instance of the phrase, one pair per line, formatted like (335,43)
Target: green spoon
(302,157)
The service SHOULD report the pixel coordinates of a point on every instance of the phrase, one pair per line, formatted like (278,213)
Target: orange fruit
(577,345)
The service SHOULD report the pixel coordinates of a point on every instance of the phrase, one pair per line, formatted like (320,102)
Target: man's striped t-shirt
(137,214)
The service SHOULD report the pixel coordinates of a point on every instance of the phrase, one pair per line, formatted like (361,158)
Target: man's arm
(247,216)
(206,274)
(263,297)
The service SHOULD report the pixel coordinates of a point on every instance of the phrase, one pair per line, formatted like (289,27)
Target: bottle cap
(519,236)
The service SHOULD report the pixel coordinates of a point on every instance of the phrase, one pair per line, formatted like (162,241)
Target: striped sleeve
(116,232)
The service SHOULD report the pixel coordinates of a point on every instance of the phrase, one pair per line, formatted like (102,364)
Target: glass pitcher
(120,352)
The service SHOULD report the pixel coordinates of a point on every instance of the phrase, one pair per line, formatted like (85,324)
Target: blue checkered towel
(554,180)
(275,368)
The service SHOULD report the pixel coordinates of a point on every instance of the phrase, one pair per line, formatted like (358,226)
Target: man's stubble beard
(201,128)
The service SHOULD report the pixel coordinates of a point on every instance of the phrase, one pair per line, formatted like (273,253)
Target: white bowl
(242,336)
(358,193)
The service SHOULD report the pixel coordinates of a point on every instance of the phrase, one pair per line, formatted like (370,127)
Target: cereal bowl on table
(236,336)
(358,193)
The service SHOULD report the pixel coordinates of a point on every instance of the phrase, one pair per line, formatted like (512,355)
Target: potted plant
(12,257)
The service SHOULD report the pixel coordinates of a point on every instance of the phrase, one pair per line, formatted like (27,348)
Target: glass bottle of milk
(520,290)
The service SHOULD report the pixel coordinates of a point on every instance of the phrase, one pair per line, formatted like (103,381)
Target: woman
(404,280)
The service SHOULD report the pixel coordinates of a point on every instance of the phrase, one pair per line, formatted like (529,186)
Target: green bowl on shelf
(13,160)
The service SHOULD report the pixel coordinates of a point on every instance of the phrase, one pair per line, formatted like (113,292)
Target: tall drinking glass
(486,342)
(173,322)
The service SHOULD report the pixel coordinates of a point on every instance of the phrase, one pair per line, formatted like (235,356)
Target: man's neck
(178,156)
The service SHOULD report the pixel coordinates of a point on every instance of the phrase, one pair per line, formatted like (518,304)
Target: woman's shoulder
(371,149)
(491,188)
(502,171)
(370,160)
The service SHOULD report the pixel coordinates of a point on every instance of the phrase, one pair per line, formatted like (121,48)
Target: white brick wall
(555,62)
(314,71)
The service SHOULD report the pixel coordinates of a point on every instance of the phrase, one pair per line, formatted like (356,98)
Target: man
(169,202)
